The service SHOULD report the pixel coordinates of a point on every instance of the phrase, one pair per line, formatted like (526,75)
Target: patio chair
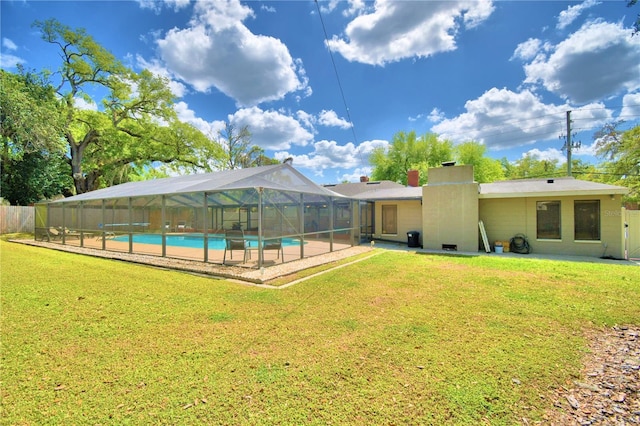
(275,244)
(234,240)
(69,233)
(52,234)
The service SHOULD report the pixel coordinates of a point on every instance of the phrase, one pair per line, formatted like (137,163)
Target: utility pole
(569,144)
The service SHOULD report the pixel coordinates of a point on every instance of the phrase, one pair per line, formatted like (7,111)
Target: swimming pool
(216,241)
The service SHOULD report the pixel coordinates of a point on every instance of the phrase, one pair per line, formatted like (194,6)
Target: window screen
(548,220)
(587,220)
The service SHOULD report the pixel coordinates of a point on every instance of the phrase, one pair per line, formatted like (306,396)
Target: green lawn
(399,338)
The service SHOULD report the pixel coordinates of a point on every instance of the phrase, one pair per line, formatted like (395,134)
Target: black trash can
(413,239)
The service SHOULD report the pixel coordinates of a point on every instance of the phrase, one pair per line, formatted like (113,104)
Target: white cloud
(330,155)
(177,88)
(84,104)
(187,115)
(329,118)
(9,44)
(630,107)
(355,175)
(9,61)
(157,5)
(218,50)
(271,129)
(527,50)
(550,154)
(569,15)
(436,116)
(501,118)
(396,30)
(599,60)
(560,155)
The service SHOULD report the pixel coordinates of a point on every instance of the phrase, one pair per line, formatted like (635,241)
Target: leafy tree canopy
(485,169)
(621,153)
(30,119)
(235,150)
(135,126)
(36,176)
(409,152)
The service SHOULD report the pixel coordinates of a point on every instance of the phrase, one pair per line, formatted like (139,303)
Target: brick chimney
(364,178)
(413,178)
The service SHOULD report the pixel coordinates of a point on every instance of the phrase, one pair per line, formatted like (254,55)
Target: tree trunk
(80,181)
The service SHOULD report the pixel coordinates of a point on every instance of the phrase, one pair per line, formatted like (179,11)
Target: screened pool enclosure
(252,217)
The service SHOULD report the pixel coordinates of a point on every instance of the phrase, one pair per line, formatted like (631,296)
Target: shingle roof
(545,187)
(377,190)
(279,177)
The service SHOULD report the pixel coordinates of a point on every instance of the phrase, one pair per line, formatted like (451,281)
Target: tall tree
(621,152)
(530,166)
(237,151)
(136,124)
(485,169)
(35,177)
(405,152)
(32,162)
(30,119)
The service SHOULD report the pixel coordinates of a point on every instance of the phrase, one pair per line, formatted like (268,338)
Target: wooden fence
(17,219)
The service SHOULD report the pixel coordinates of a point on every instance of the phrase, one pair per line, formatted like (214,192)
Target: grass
(276,282)
(397,338)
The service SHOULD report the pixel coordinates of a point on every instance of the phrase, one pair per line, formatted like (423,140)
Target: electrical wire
(335,69)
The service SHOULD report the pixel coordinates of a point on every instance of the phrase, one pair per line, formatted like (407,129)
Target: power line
(335,69)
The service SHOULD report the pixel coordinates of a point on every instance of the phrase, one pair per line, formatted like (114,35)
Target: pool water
(216,242)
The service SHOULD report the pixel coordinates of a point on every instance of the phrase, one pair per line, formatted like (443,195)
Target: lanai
(267,203)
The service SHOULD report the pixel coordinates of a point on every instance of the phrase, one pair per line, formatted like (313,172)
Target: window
(587,220)
(390,219)
(548,220)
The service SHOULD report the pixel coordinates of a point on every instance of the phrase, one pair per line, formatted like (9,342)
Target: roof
(281,177)
(566,186)
(377,190)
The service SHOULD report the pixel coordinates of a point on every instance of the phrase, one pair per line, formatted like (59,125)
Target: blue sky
(503,73)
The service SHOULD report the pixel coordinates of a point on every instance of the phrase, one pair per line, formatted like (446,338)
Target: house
(188,216)
(388,210)
(557,215)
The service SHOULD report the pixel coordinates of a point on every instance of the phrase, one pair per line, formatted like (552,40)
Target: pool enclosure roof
(282,177)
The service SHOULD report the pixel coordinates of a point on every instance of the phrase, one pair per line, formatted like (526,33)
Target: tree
(407,152)
(484,169)
(237,151)
(32,162)
(29,116)
(35,177)
(621,151)
(136,125)
(530,166)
